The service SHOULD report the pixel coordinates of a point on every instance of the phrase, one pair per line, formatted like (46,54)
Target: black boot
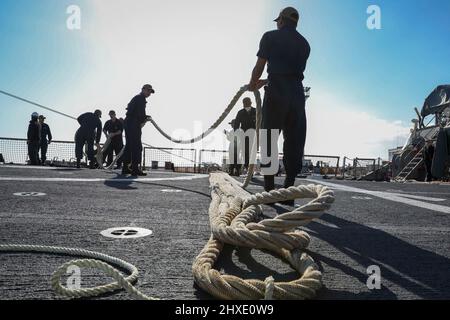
(138,173)
(78,163)
(269,183)
(126,168)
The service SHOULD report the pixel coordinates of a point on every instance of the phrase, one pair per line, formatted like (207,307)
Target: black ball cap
(288,13)
(148,87)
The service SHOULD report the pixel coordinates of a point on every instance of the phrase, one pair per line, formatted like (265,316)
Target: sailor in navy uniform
(90,130)
(246,120)
(286,52)
(113,129)
(133,123)
(46,138)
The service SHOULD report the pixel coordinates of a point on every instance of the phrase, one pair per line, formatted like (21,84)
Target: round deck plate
(126,233)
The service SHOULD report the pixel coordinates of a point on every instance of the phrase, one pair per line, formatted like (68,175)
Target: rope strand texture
(234,221)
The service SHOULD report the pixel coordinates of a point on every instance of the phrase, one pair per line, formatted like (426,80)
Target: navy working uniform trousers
(116,144)
(133,144)
(135,117)
(284,109)
(245,120)
(33,137)
(45,132)
(83,137)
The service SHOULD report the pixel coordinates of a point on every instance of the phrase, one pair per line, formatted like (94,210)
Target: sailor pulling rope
(73,118)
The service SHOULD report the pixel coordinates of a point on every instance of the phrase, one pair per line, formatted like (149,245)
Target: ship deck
(402,228)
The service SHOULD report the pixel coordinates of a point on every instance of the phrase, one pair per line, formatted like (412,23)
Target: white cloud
(336,128)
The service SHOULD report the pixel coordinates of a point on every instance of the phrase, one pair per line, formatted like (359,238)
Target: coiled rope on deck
(96,260)
(233,217)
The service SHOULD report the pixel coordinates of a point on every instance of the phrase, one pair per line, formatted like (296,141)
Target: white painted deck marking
(29,194)
(418,192)
(361,198)
(396,197)
(419,197)
(39,179)
(12,166)
(71,169)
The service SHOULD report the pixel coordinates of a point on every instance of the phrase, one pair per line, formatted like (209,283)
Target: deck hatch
(126,233)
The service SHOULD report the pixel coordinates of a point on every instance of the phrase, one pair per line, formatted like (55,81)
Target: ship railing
(355,168)
(212,159)
(176,159)
(15,150)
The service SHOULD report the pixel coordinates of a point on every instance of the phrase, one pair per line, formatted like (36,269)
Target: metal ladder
(407,171)
(414,164)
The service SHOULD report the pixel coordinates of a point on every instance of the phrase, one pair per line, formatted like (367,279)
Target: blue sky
(39,59)
(391,69)
(198,59)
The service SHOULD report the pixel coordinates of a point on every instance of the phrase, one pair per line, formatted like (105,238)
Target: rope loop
(235,220)
(96,260)
(121,281)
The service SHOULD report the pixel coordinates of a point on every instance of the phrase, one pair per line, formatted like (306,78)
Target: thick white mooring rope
(96,260)
(222,117)
(214,126)
(234,219)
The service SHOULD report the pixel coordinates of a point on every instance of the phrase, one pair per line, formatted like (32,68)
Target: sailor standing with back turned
(286,52)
